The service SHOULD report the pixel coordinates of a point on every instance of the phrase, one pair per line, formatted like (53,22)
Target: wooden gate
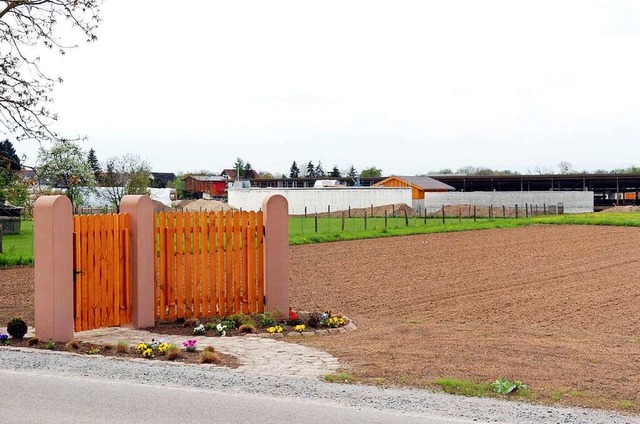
(208,263)
(102,271)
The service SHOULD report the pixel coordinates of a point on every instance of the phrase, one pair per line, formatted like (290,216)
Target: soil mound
(202,205)
(396,209)
(622,209)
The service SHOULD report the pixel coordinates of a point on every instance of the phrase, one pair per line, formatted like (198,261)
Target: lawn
(18,248)
(303,230)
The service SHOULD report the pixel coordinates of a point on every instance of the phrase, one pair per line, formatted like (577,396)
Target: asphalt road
(40,398)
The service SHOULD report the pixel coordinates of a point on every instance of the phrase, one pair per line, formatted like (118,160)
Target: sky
(406,86)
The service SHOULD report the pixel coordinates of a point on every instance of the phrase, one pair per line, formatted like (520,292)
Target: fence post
(276,253)
(516,211)
(442,214)
(526,210)
(504,212)
(365,219)
(53,268)
(406,218)
(385,219)
(140,210)
(474,213)
(316,222)
(342,220)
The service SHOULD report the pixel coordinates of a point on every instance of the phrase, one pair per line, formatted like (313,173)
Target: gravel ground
(357,396)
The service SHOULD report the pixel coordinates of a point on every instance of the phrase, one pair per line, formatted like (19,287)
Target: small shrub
(93,350)
(208,358)
(247,328)
(265,320)
(122,346)
(314,319)
(33,341)
(71,345)
(236,320)
(504,387)
(51,345)
(173,352)
(210,326)
(17,328)
(209,349)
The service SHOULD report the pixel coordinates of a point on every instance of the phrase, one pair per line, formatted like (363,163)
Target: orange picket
(212,297)
(237,279)
(163,266)
(180,264)
(196,262)
(251,262)
(260,264)
(188,285)
(170,246)
(205,270)
(84,268)
(222,311)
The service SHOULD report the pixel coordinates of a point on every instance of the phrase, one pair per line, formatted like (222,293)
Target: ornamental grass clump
(173,352)
(207,357)
(122,346)
(247,328)
(72,345)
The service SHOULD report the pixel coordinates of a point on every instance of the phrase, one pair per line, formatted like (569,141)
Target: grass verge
(18,248)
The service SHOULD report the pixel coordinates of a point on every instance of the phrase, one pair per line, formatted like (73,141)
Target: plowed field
(555,306)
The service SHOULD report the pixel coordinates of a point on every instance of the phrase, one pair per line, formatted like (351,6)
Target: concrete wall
(573,201)
(317,199)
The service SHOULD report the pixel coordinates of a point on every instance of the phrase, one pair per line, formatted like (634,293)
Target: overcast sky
(406,86)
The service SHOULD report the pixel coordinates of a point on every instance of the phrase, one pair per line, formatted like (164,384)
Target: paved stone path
(256,355)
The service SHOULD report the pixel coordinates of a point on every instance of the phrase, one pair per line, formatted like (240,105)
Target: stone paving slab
(256,355)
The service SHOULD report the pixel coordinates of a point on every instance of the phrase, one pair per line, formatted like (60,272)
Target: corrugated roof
(207,177)
(425,183)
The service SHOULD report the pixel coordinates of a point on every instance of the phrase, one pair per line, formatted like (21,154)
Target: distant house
(233,173)
(161,179)
(419,185)
(204,186)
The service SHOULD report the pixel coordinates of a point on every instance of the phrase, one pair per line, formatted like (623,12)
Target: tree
(371,172)
(92,160)
(247,171)
(9,167)
(335,172)
(127,174)
(311,170)
(352,173)
(565,167)
(65,165)
(294,172)
(319,172)
(178,185)
(25,89)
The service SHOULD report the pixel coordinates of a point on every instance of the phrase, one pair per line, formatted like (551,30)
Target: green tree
(92,160)
(311,170)
(294,172)
(127,174)
(247,171)
(239,167)
(65,165)
(335,172)
(178,185)
(371,172)
(11,189)
(25,90)
(352,173)
(319,172)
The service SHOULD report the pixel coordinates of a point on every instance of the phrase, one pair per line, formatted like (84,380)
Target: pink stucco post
(140,209)
(276,253)
(53,268)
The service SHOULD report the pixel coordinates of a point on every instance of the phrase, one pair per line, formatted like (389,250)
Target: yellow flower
(271,330)
(299,328)
(162,348)
(141,348)
(279,329)
(148,353)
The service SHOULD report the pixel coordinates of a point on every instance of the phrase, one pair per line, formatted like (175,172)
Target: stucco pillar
(276,253)
(53,268)
(140,210)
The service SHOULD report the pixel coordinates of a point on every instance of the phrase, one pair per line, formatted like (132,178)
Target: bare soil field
(555,306)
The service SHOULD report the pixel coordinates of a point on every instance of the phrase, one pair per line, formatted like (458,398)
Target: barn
(204,186)
(419,185)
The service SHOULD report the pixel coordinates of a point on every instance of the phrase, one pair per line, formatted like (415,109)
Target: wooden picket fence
(208,264)
(102,270)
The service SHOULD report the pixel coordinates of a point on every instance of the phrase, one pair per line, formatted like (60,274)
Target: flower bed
(263,325)
(159,350)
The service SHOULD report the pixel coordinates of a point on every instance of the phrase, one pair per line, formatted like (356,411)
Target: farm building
(204,186)
(161,179)
(232,174)
(419,185)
